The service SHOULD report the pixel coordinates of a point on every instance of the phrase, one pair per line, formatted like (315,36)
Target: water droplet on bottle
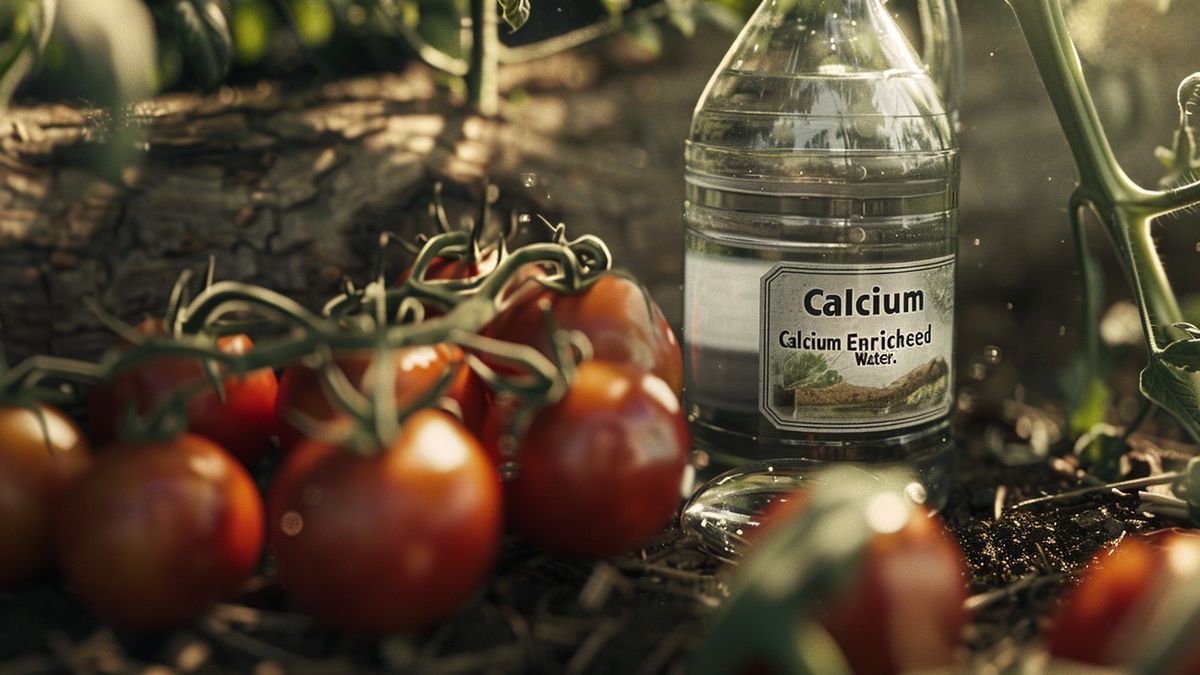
(975,242)
(856,235)
(991,354)
(529,179)
(1008,306)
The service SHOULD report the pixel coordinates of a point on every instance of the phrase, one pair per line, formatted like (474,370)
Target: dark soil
(640,614)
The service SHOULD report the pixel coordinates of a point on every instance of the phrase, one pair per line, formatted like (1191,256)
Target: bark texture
(289,189)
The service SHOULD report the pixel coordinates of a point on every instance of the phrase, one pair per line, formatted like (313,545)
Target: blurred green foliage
(201,44)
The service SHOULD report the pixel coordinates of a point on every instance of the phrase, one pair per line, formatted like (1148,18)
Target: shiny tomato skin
(158,531)
(418,371)
(447,268)
(33,480)
(600,470)
(243,424)
(390,543)
(904,610)
(905,613)
(620,321)
(1103,619)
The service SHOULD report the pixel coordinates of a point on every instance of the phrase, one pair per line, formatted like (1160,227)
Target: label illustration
(856,348)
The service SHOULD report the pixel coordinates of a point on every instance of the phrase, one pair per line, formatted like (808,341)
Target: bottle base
(744,473)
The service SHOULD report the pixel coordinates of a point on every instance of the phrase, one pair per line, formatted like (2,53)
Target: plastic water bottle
(821,234)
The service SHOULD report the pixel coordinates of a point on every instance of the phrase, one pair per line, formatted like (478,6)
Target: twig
(252,646)
(980,600)
(587,651)
(1161,479)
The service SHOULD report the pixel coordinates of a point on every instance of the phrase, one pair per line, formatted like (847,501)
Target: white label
(854,347)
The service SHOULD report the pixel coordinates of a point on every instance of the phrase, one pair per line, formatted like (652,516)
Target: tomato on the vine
(391,542)
(158,531)
(243,424)
(418,370)
(622,323)
(447,268)
(1104,619)
(600,470)
(34,477)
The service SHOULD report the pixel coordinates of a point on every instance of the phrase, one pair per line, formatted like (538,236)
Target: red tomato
(243,424)
(418,370)
(158,531)
(454,267)
(1104,619)
(600,471)
(393,542)
(904,612)
(615,314)
(33,479)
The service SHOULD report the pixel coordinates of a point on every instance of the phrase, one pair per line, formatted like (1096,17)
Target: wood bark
(290,188)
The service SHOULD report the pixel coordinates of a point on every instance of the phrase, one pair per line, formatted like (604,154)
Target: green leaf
(647,34)
(440,24)
(207,43)
(1092,406)
(807,370)
(514,12)
(683,15)
(615,8)
(1173,390)
(29,24)
(1182,354)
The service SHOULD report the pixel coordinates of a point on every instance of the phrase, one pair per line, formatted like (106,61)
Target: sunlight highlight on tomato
(389,543)
(156,532)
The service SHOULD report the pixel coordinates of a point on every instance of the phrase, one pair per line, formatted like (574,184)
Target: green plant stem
(1126,209)
(1138,420)
(1045,30)
(483,92)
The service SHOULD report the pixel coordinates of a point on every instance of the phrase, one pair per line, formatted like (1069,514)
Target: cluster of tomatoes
(388,535)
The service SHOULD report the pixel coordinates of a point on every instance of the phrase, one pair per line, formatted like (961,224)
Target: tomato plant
(159,530)
(391,542)
(1107,616)
(447,268)
(601,469)
(33,478)
(418,370)
(622,323)
(242,424)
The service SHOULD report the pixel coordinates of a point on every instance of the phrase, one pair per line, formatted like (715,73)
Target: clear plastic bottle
(821,233)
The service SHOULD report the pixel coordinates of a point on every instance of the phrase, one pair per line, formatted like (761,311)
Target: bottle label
(856,348)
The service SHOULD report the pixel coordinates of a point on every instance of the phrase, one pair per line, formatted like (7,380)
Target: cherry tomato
(33,479)
(243,424)
(615,314)
(600,470)
(1104,619)
(904,612)
(418,370)
(158,531)
(455,267)
(393,542)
